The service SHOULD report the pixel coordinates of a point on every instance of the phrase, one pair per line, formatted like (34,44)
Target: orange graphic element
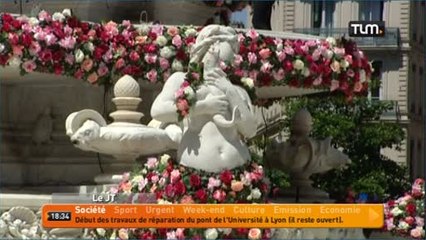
(213,216)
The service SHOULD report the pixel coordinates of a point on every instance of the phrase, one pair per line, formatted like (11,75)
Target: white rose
(344,64)
(211,233)
(190,32)
(190,92)
(33,21)
(298,64)
(177,66)
(306,72)
(144,171)
(89,46)
(14,62)
(143,29)
(57,16)
(161,41)
(396,211)
(2,47)
(164,159)
(66,12)
(162,201)
(403,225)
(362,76)
(79,56)
(166,52)
(331,41)
(328,54)
(137,178)
(255,193)
(101,231)
(225,231)
(248,82)
(279,47)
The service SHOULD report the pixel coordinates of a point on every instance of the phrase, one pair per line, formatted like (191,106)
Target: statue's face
(226,52)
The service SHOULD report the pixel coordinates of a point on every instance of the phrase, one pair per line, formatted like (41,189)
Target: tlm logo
(366,29)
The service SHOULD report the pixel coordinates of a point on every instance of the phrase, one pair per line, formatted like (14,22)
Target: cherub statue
(213,133)
(301,155)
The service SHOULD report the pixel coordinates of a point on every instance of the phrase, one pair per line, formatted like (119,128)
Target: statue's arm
(247,125)
(164,107)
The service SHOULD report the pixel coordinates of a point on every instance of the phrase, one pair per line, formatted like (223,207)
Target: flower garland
(405,216)
(172,183)
(100,52)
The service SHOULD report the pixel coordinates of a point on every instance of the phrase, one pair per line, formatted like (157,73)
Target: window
(413,68)
(377,74)
(322,14)
(371,10)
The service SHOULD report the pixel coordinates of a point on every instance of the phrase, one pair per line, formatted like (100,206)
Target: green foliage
(357,130)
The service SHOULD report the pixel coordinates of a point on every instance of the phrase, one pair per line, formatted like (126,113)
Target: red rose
(16,24)
(195,180)
(149,176)
(288,66)
(189,40)
(147,235)
(410,220)
(26,40)
(159,194)
(307,82)
(3,59)
(181,55)
(152,35)
(150,48)
(309,59)
(242,231)
(58,69)
(226,177)
(197,237)
(265,80)
(57,56)
(294,83)
(180,188)
(253,47)
(201,195)
(170,191)
(269,41)
(104,36)
(98,52)
(411,209)
(45,55)
(119,38)
(6,27)
(162,232)
(6,18)
(243,49)
(264,187)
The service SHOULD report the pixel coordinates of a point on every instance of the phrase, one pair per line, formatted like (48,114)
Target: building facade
(399,56)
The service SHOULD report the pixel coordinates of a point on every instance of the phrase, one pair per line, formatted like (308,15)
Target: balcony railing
(391,38)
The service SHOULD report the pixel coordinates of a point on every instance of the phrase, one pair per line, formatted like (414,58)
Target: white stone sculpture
(125,137)
(213,134)
(302,156)
(43,128)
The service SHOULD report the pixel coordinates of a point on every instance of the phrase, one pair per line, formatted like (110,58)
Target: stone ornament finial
(127,100)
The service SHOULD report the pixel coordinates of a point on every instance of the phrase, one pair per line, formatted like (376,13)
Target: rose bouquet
(172,183)
(405,216)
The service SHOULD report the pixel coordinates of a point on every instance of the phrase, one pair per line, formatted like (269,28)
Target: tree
(356,128)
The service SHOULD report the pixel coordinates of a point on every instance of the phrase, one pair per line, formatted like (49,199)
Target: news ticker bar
(212,216)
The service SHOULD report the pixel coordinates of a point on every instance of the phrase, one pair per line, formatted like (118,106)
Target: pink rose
(289,50)
(174,175)
(219,195)
(141,39)
(29,66)
(183,106)
(213,182)
(44,16)
(238,59)
(317,81)
(126,23)
(50,39)
(164,63)
(91,33)
(316,55)
(237,186)
(93,77)
(420,222)
(87,64)
(102,70)
(279,75)
(68,31)
(40,35)
(111,28)
(241,37)
(266,67)
(150,58)
(173,31)
(17,50)
(416,232)
(155,178)
(252,58)
(265,53)
(13,38)
(119,64)
(152,162)
(187,199)
(254,233)
(180,233)
(334,85)
(69,58)
(171,235)
(252,34)
(339,51)
(79,74)
(157,29)
(281,55)
(349,59)
(68,42)
(134,56)
(253,74)
(177,41)
(152,75)
(350,73)
(142,184)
